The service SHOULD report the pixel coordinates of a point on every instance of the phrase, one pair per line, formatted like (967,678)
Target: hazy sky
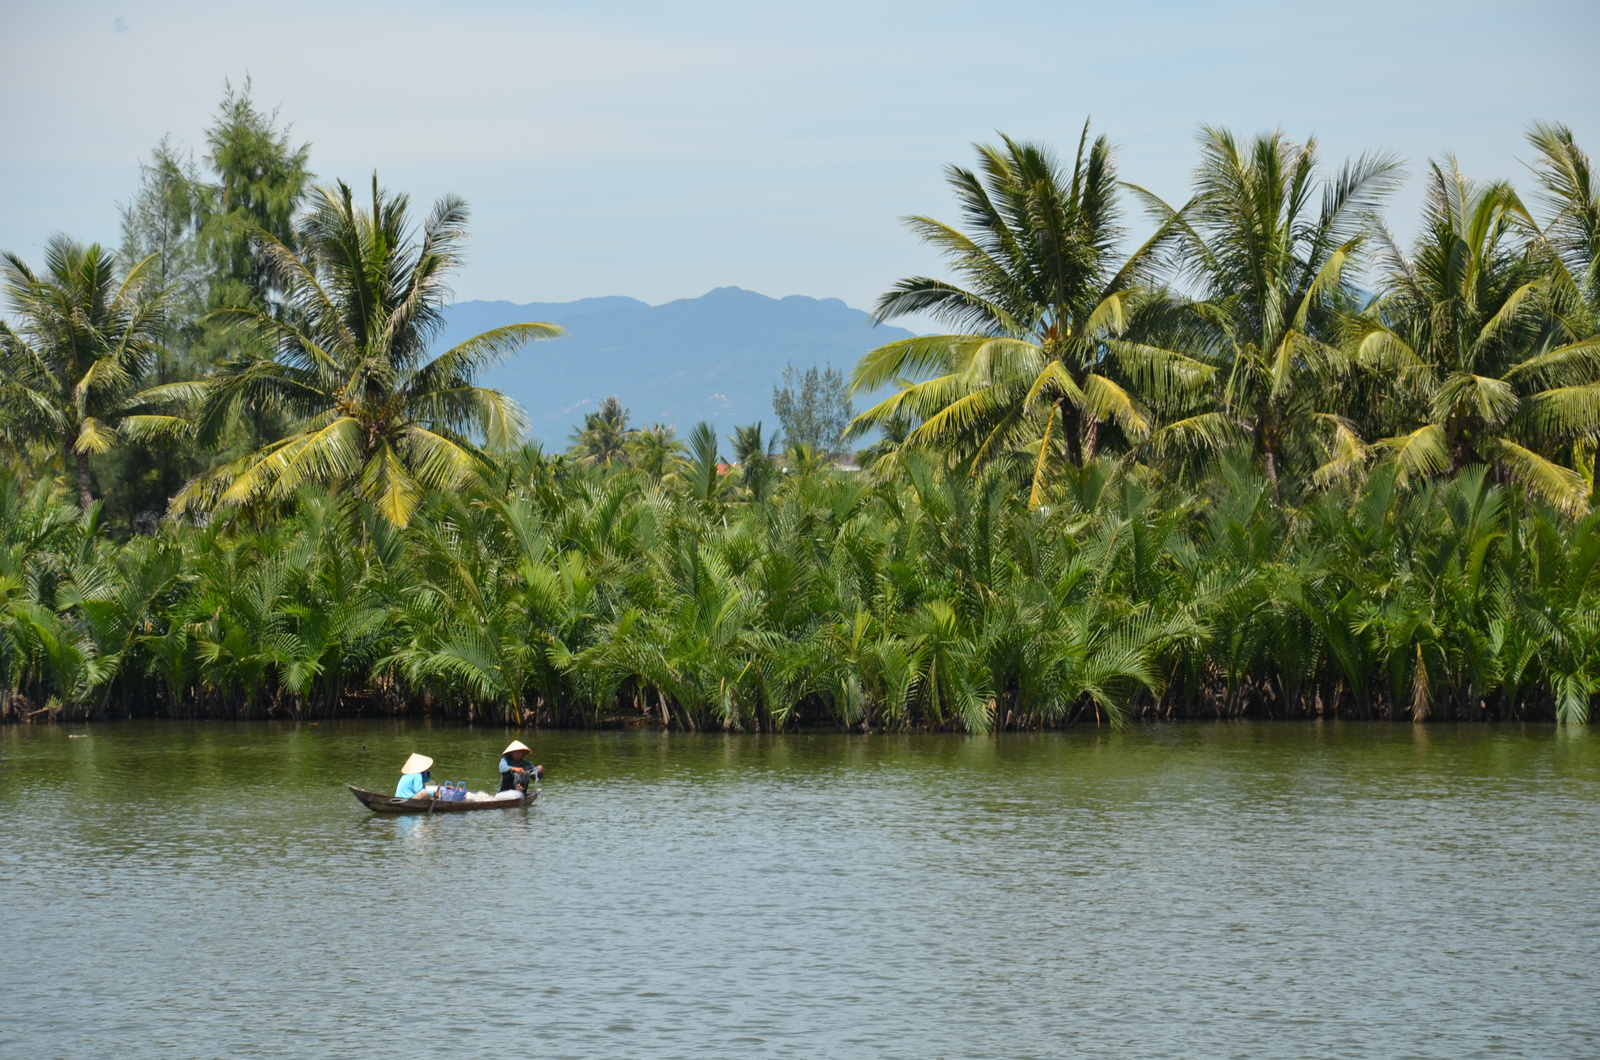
(659,150)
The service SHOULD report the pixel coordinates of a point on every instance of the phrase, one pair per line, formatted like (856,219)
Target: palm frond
(1423,452)
(1561,486)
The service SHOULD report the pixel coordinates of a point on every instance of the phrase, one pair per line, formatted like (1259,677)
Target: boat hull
(378,802)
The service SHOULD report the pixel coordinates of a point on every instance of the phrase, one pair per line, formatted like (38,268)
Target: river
(1208,890)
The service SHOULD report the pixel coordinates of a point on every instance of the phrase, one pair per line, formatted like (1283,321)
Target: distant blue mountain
(716,357)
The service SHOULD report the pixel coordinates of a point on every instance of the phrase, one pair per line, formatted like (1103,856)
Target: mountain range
(716,357)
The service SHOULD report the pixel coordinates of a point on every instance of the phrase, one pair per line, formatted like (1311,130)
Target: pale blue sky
(658,150)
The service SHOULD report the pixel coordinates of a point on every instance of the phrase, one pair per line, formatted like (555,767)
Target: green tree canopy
(603,439)
(261,178)
(87,336)
(1483,370)
(374,410)
(1568,184)
(1042,301)
(1268,244)
(814,408)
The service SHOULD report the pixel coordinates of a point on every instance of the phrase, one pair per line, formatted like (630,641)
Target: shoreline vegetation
(1268,463)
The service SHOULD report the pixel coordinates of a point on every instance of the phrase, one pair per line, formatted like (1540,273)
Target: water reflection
(1176,891)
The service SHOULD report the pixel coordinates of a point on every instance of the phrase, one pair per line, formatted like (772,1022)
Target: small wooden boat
(378,802)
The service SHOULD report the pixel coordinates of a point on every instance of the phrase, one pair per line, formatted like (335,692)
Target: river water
(1227,890)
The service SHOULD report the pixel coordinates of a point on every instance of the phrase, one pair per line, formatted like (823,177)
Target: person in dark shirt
(515,770)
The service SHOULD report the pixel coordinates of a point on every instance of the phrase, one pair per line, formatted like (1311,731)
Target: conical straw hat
(417,764)
(515,745)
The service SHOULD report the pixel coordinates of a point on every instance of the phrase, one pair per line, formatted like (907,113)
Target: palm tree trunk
(1456,442)
(71,460)
(1267,444)
(1091,438)
(1071,424)
(1268,436)
(85,485)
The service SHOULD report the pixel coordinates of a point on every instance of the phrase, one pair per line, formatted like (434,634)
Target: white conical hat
(515,745)
(417,764)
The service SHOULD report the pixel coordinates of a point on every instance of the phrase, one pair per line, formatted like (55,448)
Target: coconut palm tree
(1042,302)
(1269,260)
(1484,371)
(655,450)
(754,455)
(1572,191)
(86,337)
(375,412)
(603,439)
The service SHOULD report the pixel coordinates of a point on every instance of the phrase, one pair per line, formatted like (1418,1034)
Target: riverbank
(20,712)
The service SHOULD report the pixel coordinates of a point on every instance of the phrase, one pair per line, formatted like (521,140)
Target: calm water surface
(1243,890)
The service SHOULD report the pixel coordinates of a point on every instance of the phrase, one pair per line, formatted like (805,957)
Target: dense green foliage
(560,593)
(1238,327)
(1211,476)
(84,341)
(373,407)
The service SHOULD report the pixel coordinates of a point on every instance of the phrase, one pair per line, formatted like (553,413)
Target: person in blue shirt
(413,776)
(515,772)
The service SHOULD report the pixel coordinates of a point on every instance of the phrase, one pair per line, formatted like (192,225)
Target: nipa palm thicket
(936,598)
